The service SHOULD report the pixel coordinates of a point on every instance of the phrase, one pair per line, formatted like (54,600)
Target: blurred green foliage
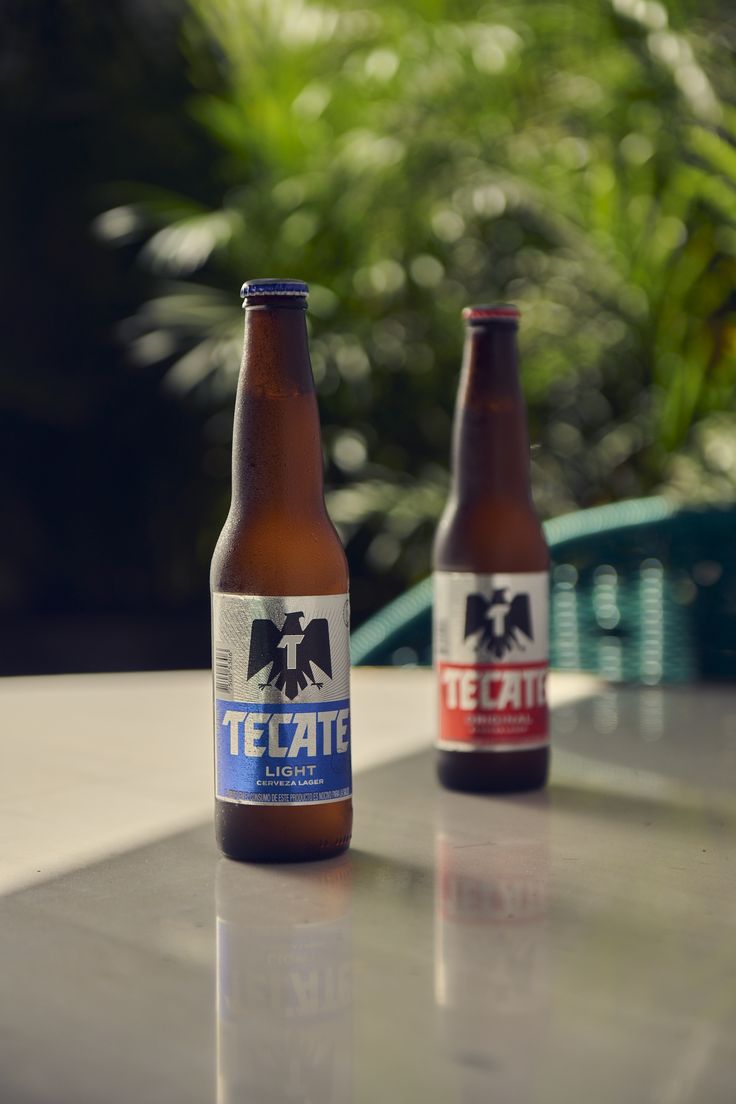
(406,159)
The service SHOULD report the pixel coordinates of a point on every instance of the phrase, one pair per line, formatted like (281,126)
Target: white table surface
(576,944)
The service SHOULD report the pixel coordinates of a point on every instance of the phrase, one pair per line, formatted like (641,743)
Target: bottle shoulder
(273,554)
(488,535)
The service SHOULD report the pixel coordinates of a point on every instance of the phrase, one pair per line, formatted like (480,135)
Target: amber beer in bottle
(280,609)
(491,579)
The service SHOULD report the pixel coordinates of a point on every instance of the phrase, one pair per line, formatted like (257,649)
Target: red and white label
(491,656)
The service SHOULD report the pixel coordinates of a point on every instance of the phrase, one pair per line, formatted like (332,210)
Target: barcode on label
(223,670)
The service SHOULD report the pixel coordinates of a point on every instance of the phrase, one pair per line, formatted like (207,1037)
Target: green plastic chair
(641,591)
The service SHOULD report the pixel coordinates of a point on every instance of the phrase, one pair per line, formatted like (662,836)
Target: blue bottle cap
(280,288)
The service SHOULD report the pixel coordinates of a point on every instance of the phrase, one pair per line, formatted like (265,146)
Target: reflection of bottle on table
(491,984)
(284,984)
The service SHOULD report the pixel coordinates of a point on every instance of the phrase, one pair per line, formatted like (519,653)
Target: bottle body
(491,580)
(279,586)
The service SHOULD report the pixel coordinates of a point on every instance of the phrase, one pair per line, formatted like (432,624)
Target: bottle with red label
(491,565)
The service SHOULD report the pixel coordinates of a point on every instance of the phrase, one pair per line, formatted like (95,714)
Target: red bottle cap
(498,312)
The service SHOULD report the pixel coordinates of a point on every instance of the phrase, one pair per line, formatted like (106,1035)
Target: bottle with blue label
(280,609)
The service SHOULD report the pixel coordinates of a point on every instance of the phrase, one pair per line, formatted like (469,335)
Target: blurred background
(577,158)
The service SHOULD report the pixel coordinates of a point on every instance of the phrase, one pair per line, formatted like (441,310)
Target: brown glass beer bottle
(280,609)
(491,569)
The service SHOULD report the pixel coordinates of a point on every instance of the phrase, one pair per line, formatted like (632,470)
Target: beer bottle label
(282,698)
(491,657)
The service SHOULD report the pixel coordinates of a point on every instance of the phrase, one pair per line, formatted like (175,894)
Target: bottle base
(268,855)
(283,834)
(493,772)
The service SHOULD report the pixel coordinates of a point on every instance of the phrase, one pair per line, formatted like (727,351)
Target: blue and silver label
(282,698)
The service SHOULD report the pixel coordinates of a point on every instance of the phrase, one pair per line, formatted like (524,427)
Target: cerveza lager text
(491,579)
(280,609)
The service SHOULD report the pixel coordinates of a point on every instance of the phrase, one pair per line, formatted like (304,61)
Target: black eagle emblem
(498,621)
(291,652)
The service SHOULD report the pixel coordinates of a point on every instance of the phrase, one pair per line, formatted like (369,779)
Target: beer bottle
(280,608)
(491,579)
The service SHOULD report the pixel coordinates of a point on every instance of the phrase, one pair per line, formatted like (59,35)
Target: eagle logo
(499,623)
(292,653)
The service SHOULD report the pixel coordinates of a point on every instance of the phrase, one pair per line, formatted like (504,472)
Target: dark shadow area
(103,488)
(662,813)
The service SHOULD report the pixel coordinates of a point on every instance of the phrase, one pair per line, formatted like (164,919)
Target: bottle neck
(277,453)
(490,455)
